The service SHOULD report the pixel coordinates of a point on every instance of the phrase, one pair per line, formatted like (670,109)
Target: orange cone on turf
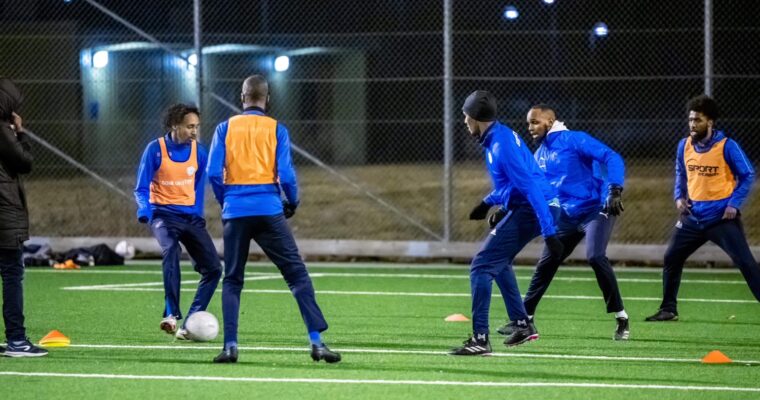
(456,318)
(55,339)
(716,357)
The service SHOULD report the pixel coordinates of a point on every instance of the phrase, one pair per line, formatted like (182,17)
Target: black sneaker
(621,330)
(508,328)
(227,356)
(473,347)
(662,315)
(2,350)
(521,334)
(324,353)
(23,348)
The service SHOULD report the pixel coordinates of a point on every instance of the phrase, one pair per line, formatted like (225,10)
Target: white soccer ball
(125,249)
(202,326)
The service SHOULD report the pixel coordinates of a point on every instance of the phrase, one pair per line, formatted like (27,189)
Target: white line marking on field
(437,276)
(116,288)
(410,352)
(379,381)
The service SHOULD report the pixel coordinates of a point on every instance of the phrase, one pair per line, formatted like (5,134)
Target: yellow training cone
(55,339)
(456,318)
(716,357)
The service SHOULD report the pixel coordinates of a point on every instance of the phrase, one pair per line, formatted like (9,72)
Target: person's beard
(699,136)
(476,133)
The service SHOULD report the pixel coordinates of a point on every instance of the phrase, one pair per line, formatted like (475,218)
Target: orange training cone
(55,339)
(716,357)
(456,318)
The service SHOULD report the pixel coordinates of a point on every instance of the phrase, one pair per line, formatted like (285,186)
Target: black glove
(614,203)
(496,217)
(143,220)
(555,247)
(480,211)
(288,209)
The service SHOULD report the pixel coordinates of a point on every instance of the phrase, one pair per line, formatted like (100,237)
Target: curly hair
(176,113)
(705,105)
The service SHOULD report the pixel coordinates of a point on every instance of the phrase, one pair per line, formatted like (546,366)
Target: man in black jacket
(15,159)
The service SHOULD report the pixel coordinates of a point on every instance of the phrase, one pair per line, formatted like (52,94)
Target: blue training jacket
(516,178)
(151,160)
(250,200)
(710,211)
(575,163)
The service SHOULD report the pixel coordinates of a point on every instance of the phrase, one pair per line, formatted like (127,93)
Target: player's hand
(730,213)
(143,220)
(555,247)
(18,125)
(614,203)
(480,211)
(288,209)
(496,217)
(683,206)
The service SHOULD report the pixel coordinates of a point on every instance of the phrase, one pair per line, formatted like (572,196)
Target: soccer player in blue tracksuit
(169,195)
(573,162)
(713,179)
(527,200)
(249,166)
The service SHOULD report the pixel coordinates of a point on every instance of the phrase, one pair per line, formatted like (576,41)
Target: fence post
(708,48)
(447,128)
(198,52)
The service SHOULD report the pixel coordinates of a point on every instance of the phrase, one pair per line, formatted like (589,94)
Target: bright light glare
(193,59)
(511,12)
(281,63)
(600,29)
(549,1)
(100,59)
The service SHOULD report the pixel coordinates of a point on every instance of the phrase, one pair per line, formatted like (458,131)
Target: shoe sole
(622,338)
(168,328)
(471,354)
(662,320)
(526,340)
(22,354)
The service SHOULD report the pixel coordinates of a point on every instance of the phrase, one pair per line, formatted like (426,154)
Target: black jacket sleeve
(15,151)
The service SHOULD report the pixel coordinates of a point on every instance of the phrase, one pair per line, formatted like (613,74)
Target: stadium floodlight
(100,59)
(192,59)
(600,29)
(281,63)
(549,1)
(511,13)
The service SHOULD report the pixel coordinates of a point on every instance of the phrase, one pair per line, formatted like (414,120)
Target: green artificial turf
(394,344)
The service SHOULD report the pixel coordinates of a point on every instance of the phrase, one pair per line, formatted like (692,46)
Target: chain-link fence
(362,87)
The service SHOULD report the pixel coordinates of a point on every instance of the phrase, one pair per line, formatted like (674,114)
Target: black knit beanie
(480,105)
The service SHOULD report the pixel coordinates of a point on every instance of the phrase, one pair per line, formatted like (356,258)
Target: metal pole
(447,128)
(708,48)
(198,52)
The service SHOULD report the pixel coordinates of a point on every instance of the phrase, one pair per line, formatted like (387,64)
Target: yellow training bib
(708,175)
(251,150)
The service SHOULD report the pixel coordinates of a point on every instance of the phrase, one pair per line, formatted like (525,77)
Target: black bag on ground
(99,254)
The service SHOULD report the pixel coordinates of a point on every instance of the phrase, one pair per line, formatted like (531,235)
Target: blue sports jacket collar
(254,110)
(485,137)
(716,137)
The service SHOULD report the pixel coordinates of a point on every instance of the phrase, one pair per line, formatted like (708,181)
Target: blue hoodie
(710,211)
(516,178)
(574,163)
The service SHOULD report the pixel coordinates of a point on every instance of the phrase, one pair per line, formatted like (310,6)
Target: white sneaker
(181,334)
(169,324)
